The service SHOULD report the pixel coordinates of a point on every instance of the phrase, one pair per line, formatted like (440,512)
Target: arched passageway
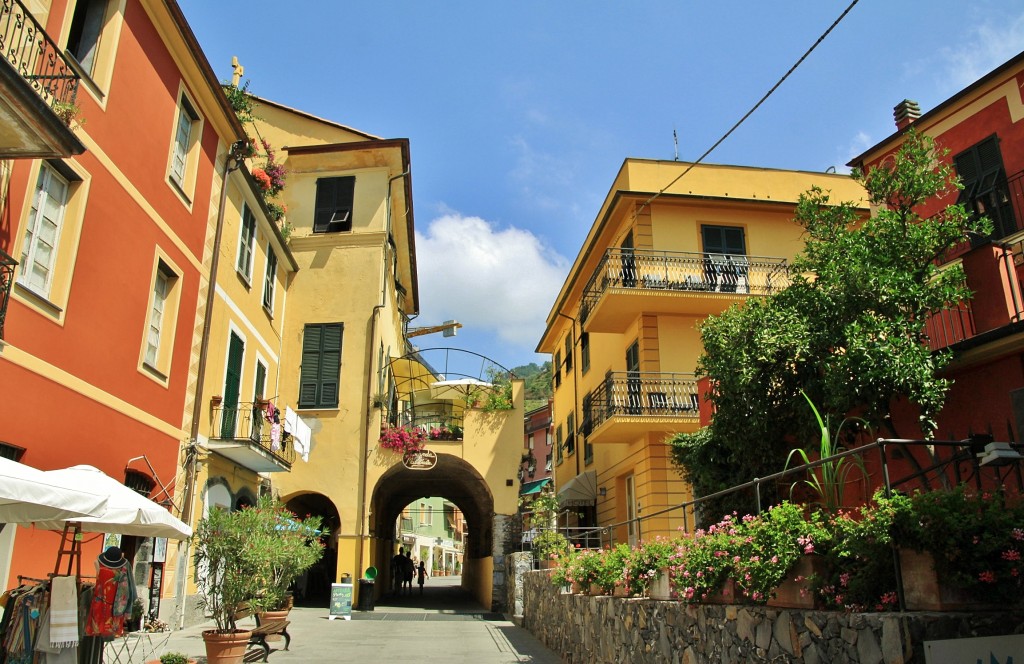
(456,481)
(314,587)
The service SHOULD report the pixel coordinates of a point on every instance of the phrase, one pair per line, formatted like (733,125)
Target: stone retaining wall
(596,630)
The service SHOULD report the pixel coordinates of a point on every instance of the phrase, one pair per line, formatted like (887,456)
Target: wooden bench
(263,630)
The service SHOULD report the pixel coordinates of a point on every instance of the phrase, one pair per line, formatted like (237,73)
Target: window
(42,232)
(547,462)
(430,515)
(182,140)
(12,452)
(423,514)
(985,191)
(183,162)
(531,440)
(84,37)
(556,368)
(723,240)
(584,352)
(568,354)
(270,279)
(570,434)
(160,320)
(558,443)
(246,242)
(320,373)
(333,208)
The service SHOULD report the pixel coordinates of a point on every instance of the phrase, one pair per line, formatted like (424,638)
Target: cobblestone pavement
(442,625)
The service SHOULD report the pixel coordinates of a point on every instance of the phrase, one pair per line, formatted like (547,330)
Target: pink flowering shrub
(645,562)
(402,439)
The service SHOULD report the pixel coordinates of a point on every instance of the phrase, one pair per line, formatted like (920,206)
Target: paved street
(443,625)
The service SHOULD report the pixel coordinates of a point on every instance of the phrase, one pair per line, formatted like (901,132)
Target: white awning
(579,491)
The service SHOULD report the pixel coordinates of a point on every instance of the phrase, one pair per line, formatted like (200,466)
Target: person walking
(421,575)
(408,570)
(398,571)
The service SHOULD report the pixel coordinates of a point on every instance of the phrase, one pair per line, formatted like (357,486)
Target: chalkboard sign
(341,600)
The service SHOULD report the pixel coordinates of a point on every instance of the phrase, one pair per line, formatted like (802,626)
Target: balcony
(242,434)
(631,403)
(37,88)
(7,265)
(631,282)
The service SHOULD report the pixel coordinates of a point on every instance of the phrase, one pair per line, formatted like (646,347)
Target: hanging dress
(111,601)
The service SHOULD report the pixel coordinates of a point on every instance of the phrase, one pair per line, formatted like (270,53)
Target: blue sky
(519,114)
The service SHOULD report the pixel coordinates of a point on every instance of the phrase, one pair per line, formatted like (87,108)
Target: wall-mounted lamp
(998,454)
(603,492)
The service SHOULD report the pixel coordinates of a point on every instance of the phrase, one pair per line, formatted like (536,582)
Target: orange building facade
(112,247)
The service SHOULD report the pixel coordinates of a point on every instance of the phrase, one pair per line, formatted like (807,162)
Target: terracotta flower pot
(923,590)
(226,647)
(795,592)
(726,595)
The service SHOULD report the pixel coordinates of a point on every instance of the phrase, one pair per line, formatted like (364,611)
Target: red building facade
(982,127)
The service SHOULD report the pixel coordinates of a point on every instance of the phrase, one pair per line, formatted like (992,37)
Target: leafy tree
(537,387)
(848,331)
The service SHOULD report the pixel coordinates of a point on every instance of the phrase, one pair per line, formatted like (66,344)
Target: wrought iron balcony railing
(246,422)
(6,279)
(639,393)
(643,269)
(26,45)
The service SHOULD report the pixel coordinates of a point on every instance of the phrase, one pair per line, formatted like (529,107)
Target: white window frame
(31,246)
(246,244)
(185,125)
(161,289)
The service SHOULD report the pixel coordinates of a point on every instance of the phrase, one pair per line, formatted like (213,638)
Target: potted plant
(647,567)
(549,546)
(282,546)
(226,578)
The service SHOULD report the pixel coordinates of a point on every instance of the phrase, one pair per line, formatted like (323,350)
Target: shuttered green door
(232,386)
(321,366)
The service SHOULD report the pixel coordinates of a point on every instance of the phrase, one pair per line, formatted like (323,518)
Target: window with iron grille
(12,452)
(138,482)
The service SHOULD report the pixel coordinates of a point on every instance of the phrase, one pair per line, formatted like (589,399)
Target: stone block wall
(597,630)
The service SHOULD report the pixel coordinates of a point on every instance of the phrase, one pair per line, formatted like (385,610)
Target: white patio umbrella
(28,494)
(127,513)
(460,388)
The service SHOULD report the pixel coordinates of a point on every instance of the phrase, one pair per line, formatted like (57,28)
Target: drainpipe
(361,533)
(575,397)
(191,455)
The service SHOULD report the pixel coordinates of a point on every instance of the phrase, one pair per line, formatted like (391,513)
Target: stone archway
(460,483)
(314,587)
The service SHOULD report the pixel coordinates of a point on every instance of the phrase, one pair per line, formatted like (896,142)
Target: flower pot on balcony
(216,401)
(620,591)
(595,589)
(795,592)
(577,588)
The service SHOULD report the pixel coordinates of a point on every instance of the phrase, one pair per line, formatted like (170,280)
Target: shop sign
(420,460)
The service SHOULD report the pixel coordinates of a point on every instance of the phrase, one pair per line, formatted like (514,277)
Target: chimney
(905,113)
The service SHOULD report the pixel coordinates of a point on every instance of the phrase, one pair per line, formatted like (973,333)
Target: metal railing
(643,393)
(645,269)
(246,422)
(950,326)
(442,425)
(37,58)
(7,265)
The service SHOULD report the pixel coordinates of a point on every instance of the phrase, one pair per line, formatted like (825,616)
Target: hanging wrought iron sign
(420,460)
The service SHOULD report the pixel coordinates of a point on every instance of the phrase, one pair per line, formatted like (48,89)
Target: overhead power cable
(751,111)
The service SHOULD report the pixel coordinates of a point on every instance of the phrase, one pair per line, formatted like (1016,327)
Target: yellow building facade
(672,244)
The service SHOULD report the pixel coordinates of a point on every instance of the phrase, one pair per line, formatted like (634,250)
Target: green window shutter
(261,382)
(333,205)
(330,365)
(232,385)
(321,366)
(310,372)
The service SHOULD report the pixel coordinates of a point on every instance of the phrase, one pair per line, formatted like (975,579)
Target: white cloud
(984,48)
(857,144)
(488,278)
